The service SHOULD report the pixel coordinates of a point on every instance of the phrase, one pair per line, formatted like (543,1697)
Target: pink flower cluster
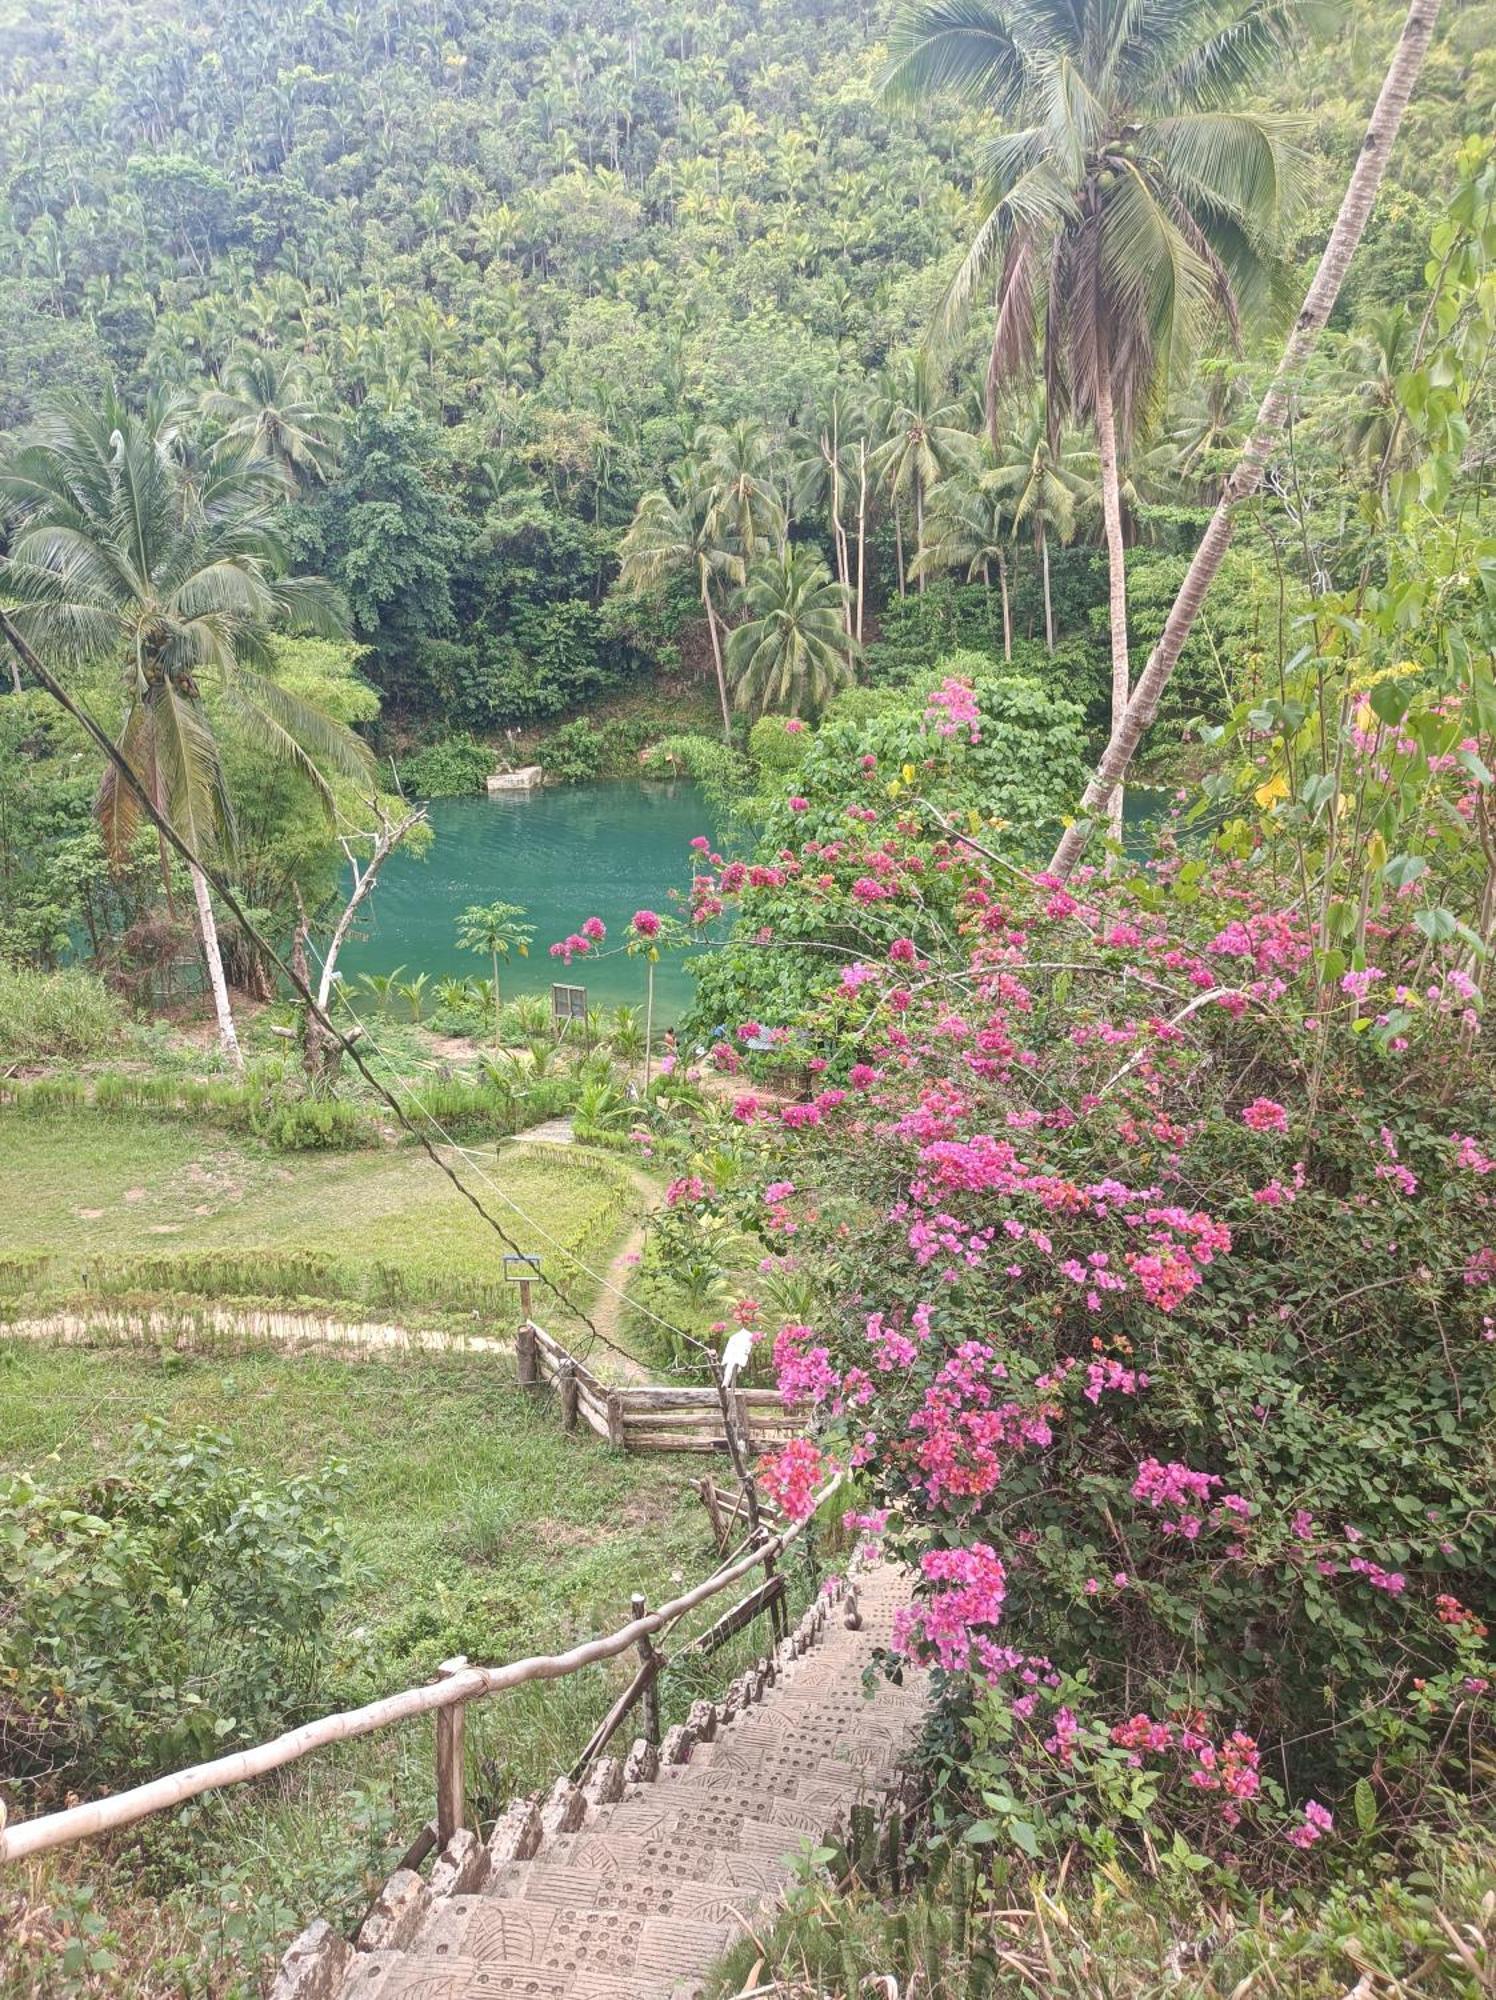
(802,1366)
(1318,1821)
(1187,1495)
(793,1477)
(1265,1114)
(952,707)
(971,1585)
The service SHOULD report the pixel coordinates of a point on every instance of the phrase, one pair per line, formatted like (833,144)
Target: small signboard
(568,1004)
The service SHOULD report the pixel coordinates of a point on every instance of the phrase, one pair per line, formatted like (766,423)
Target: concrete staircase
(631,1887)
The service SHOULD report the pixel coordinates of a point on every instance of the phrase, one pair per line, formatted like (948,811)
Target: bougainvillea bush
(1156,1281)
(967,735)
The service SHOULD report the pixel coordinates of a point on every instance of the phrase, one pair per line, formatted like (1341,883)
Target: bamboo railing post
(451,1800)
(524,1351)
(651,1660)
(708,1494)
(569,1396)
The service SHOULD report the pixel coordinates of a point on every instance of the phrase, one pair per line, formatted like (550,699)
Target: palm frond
(117,809)
(965,46)
(1233,56)
(313,731)
(1243,162)
(190,770)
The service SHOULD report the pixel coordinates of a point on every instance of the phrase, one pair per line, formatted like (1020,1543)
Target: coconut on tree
(1130,204)
(133,551)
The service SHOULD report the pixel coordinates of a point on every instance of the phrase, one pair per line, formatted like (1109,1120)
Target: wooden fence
(457,1685)
(635,1417)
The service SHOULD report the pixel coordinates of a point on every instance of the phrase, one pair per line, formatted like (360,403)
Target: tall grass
(55,1016)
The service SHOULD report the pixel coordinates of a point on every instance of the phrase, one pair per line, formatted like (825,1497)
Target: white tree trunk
(711,621)
(213,959)
(1319,301)
(1116,567)
(1002,584)
(861,527)
(1048,604)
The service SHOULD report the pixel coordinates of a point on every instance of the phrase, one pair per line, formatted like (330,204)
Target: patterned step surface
(632,1888)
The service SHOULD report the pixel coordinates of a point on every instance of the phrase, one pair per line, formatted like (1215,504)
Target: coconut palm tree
(684,531)
(1128,202)
(924,438)
(1356,204)
(132,550)
(739,460)
(1041,493)
(791,650)
(266,401)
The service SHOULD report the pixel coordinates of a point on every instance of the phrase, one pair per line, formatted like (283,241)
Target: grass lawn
(475,1525)
(375,1226)
(478,1527)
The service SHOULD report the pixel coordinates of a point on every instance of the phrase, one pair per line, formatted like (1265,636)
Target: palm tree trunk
(861,527)
(1116,564)
(213,959)
(898,543)
(919,530)
(1002,584)
(1319,301)
(498,1034)
(1043,541)
(711,623)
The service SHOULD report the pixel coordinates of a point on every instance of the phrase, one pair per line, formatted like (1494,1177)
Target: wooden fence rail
(634,1417)
(456,1685)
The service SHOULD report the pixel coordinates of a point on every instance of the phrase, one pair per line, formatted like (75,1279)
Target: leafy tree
(134,551)
(495,929)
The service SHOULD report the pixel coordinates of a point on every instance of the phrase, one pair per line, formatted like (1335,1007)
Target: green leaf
(1403,869)
(1024,1837)
(1437,924)
(1389,700)
(1366,1805)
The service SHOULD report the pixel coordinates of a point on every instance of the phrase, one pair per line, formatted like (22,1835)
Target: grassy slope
(80,1187)
(476,1524)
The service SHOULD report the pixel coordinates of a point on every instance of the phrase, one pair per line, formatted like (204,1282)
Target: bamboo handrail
(81,1822)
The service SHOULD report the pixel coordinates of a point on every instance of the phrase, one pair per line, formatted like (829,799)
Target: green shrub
(574,754)
(161,1612)
(55,1016)
(778,743)
(447,769)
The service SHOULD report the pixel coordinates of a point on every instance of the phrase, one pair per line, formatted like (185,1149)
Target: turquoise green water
(563,854)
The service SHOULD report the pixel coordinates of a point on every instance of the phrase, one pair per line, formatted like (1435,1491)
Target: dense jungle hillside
(516,256)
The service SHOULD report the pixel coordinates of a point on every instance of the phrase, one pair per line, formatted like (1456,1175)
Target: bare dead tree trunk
(1319,301)
(1116,566)
(321,1056)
